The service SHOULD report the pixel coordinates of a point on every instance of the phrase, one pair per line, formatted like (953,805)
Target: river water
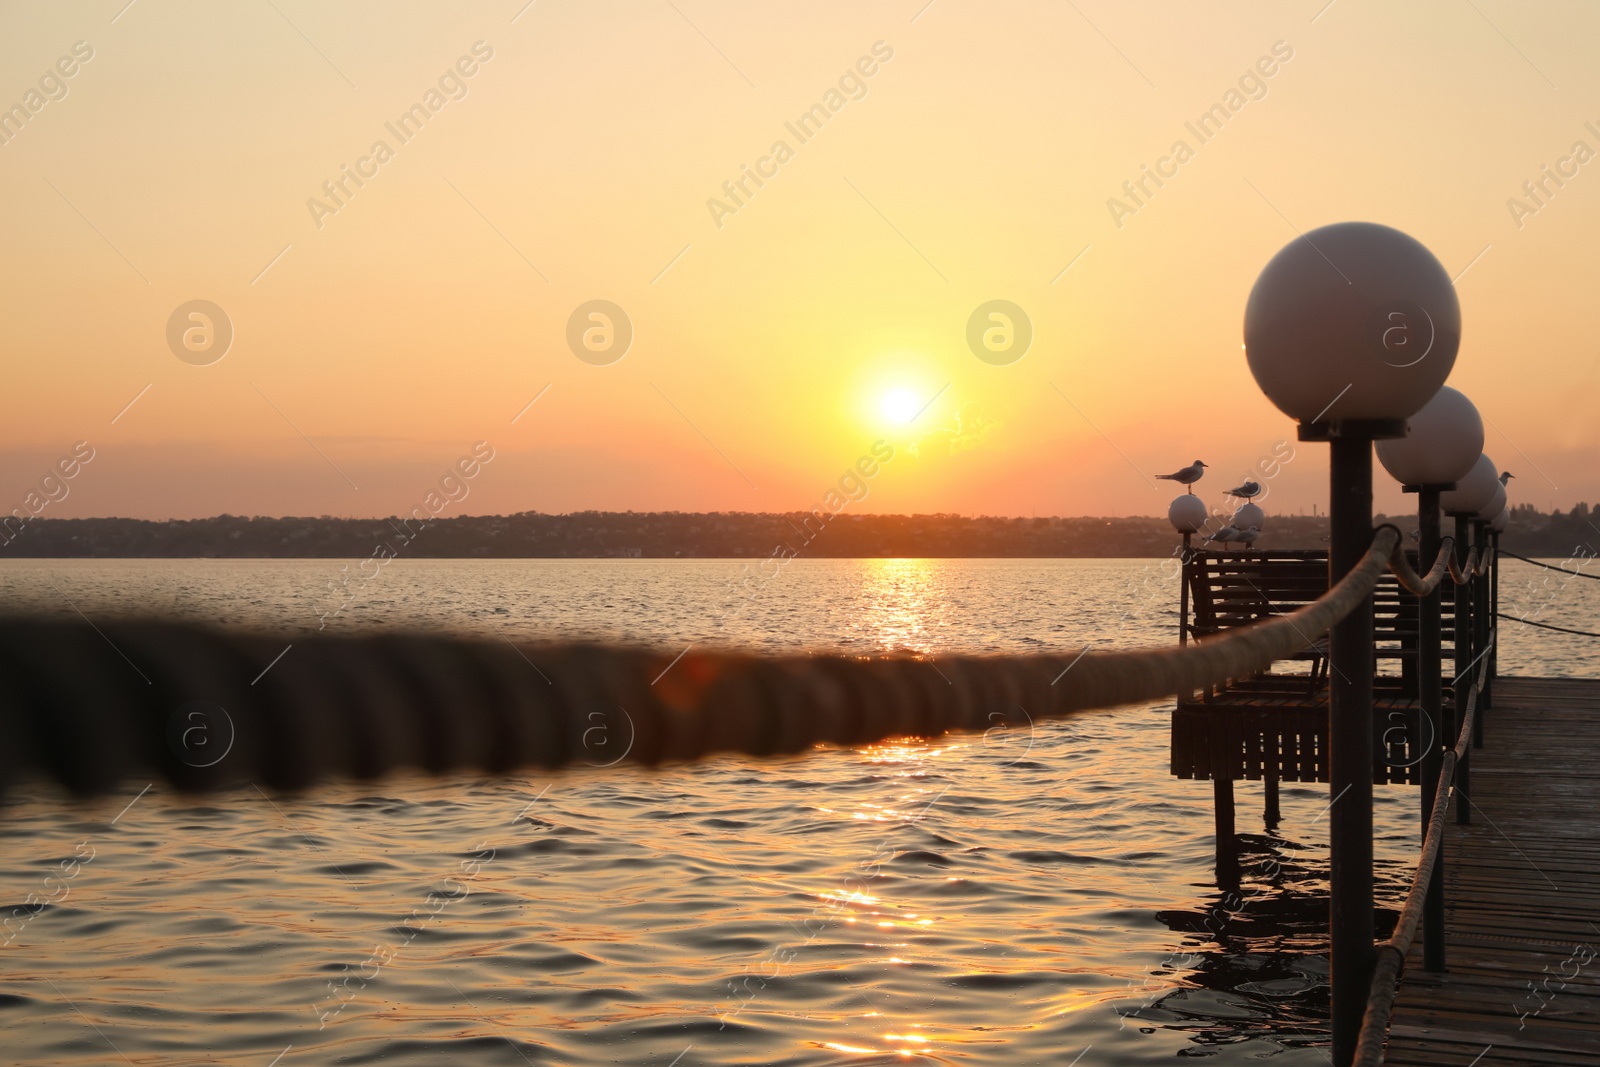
(1040,895)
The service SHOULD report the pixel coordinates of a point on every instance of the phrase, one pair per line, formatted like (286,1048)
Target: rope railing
(1476,565)
(1392,952)
(88,707)
(1422,584)
(1546,625)
(1551,566)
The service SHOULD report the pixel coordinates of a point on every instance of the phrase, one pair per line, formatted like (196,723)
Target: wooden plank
(1522,900)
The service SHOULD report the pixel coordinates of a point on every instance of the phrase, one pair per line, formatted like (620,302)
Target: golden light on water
(851,897)
(857,910)
(918,1040)
(905,603)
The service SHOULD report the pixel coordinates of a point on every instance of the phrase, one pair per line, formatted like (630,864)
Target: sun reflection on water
(904,604)
(858,910)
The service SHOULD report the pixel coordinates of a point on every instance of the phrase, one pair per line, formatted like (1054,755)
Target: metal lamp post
(1188,515)
(1480,626)
(1497,526)
(1442,444)
(1350,330)
(1462,503)
(1480,603)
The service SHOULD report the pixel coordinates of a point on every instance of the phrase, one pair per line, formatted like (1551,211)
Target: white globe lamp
(1250,515)
(1500,521)
(1496,504)
(1442,442)
(1352,322)
(1187,513)
(1472,491)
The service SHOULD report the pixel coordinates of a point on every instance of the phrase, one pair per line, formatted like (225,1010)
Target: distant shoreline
(755,536)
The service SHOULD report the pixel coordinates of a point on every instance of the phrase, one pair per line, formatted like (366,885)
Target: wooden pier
(1523,895)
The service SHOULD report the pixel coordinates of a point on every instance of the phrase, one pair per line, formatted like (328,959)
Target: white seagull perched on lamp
(1188,475)
(1506,476)
(1232,534)
(1246,490)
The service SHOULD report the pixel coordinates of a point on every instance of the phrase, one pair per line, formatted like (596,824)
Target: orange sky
(775,338)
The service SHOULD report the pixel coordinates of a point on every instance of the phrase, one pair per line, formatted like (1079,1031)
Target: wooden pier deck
(1522,895)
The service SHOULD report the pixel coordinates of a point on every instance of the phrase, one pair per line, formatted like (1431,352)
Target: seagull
(1227,534)
(1188,476)
(1246,490)
(1506,476)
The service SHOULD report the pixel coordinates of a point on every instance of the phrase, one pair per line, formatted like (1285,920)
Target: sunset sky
(776,337)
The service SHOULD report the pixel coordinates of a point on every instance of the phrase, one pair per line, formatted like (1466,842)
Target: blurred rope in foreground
(88,706)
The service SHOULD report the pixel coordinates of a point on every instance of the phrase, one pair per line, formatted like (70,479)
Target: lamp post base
(1365,429)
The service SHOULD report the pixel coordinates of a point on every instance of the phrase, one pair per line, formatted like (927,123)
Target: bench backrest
(1229,589)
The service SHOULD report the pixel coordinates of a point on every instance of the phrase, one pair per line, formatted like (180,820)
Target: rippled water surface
(1025,896)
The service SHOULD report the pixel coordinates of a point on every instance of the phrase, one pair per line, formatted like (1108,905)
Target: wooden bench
(1274,725)
(1229,589)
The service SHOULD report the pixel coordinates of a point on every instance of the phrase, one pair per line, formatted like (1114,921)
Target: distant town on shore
(672,534)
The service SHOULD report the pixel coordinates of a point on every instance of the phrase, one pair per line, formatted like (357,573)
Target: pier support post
(1222,794)
(1350,744)
(1458,688)
(1227,842)
(1269,808)
(1430,682)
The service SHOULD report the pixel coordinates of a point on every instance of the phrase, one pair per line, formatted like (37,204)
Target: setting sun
(900,406)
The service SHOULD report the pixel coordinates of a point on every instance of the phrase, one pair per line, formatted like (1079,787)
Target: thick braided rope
(1474,565)
(1422,584)
(89,707)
